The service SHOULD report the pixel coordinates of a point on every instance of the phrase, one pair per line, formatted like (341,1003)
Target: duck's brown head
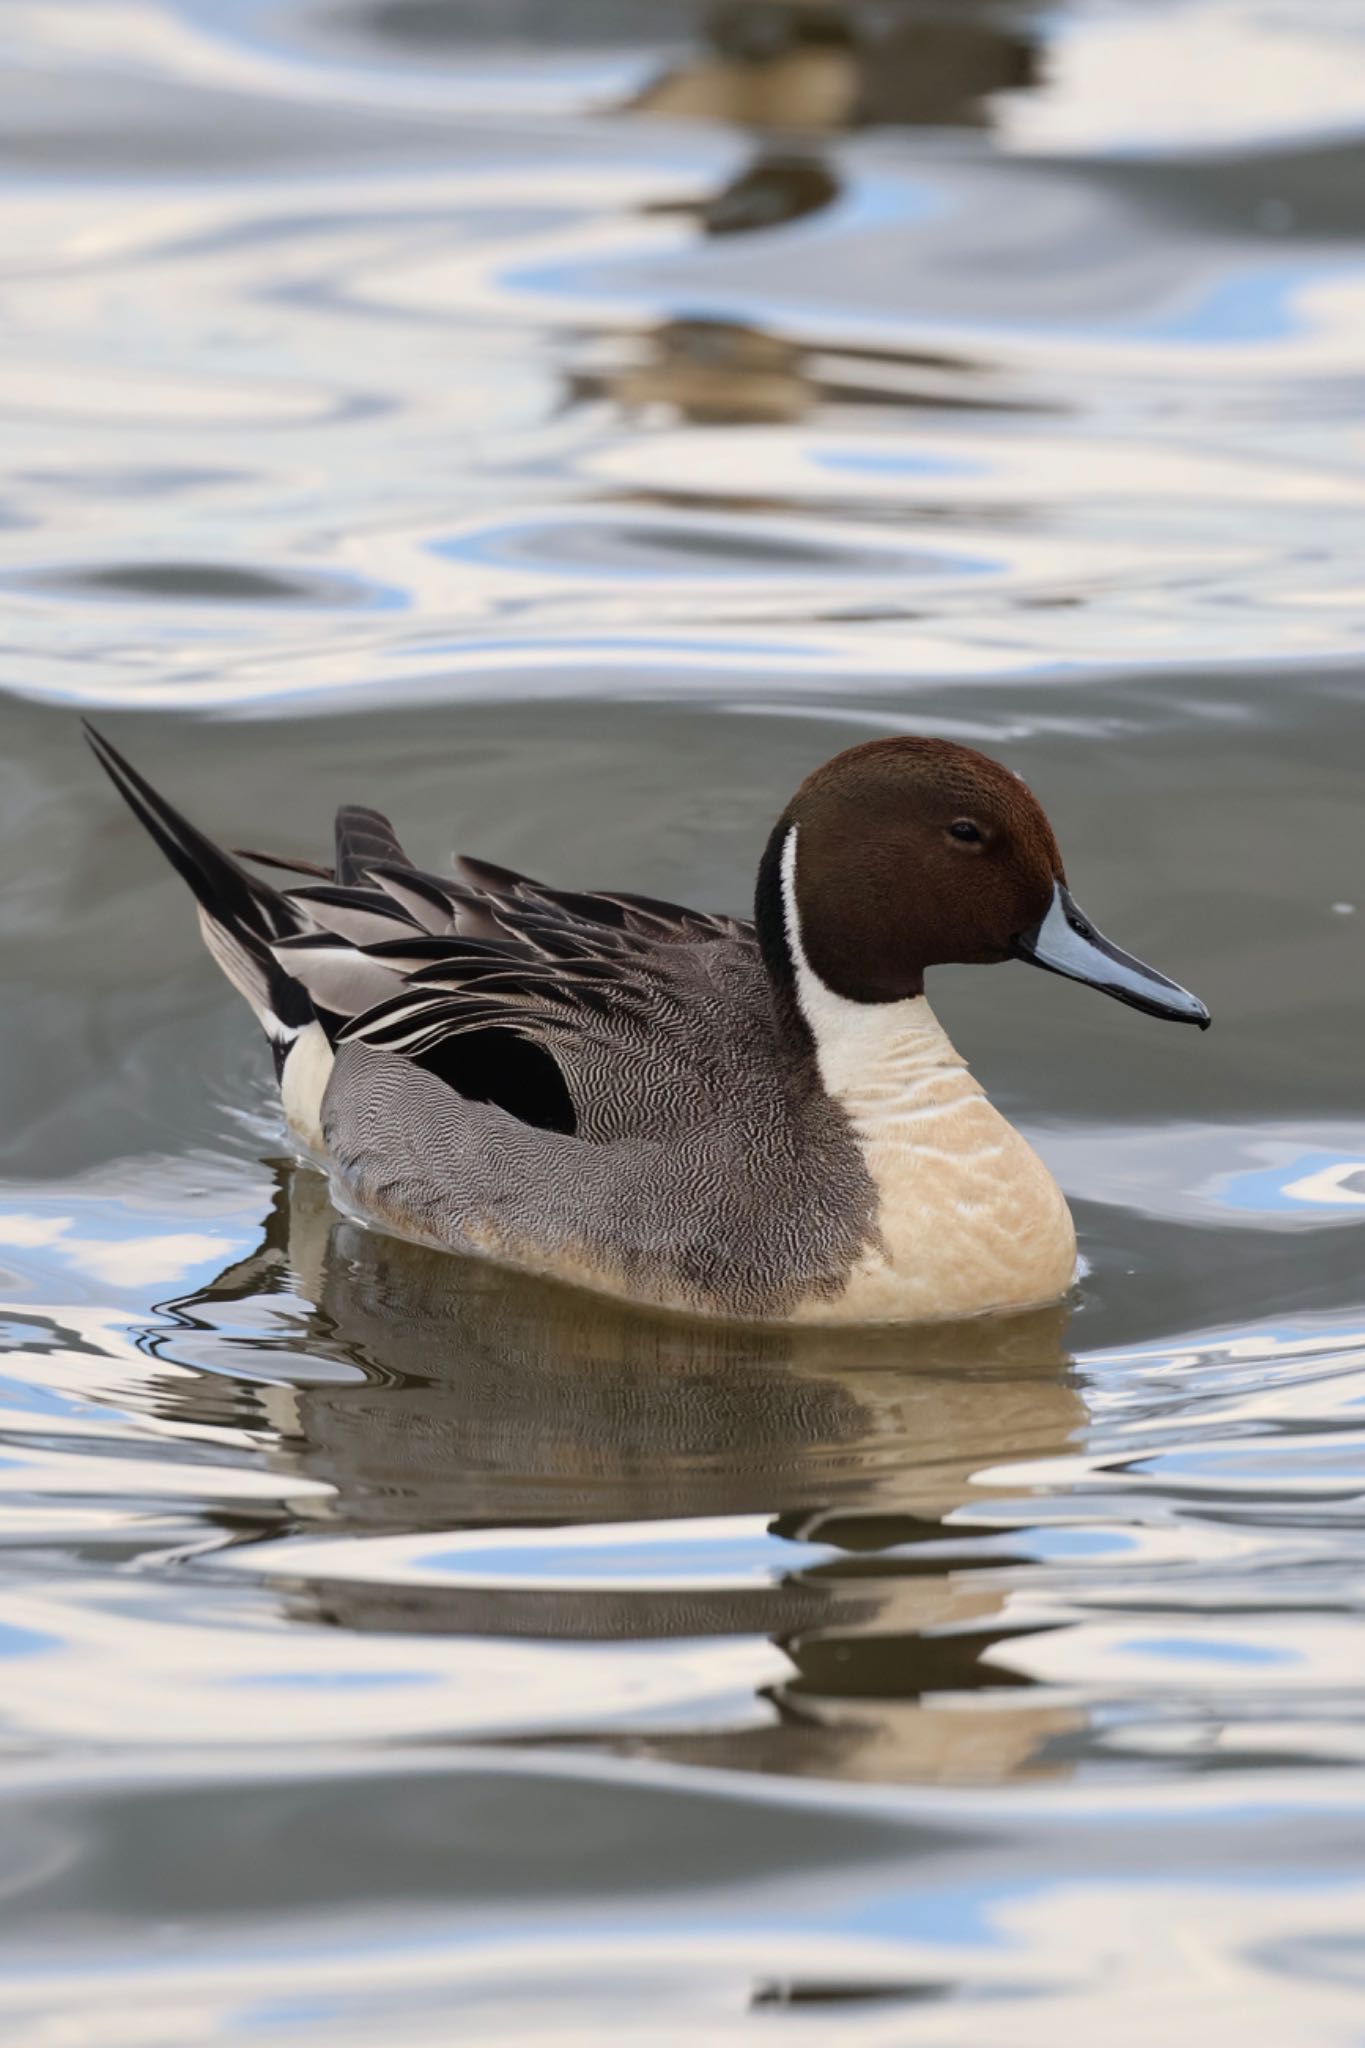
(905,854)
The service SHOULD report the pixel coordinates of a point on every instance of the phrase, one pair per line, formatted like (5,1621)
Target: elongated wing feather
(363,917)
(363,837)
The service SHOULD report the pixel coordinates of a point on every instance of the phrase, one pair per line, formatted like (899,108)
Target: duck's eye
(966,831)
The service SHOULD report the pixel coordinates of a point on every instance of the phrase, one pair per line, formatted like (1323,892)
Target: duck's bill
(1066,942)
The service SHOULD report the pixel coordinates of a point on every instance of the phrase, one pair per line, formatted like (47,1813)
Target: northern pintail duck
(758,1121)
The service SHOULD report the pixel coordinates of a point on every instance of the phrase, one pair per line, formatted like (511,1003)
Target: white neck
(891,1065)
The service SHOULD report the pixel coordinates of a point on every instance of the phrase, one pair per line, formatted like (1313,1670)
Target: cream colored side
(970,1218)
(303,1083)
(307,1065)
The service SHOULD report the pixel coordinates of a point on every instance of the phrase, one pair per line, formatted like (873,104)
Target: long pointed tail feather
(241,916)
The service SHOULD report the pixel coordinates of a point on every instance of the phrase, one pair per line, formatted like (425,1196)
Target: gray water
(564,426)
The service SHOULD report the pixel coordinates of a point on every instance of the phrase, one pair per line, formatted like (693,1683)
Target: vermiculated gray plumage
(702,1165)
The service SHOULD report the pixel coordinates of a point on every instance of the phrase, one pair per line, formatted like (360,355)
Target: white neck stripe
(873,1057)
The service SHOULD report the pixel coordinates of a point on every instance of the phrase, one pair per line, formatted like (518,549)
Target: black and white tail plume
(242,917)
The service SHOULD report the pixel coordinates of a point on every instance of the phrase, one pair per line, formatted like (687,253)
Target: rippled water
(564,426)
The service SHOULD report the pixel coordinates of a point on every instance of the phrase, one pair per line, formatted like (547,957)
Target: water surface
(564,427)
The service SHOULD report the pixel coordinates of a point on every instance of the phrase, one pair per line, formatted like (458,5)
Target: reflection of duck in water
(494,1397)
(777,188)
(711,372)
(724,373)
(716,371)
(719,372)
(807,66)
(492,1400)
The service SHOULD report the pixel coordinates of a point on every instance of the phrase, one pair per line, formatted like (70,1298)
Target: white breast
(970,1218)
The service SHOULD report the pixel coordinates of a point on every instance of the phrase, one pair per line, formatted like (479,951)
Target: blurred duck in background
(810,68)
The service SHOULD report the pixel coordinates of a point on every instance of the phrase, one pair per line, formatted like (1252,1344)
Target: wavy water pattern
(564,426)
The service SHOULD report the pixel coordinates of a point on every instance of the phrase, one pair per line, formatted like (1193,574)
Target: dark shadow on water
(800,1991)
(433,28)
(200,583)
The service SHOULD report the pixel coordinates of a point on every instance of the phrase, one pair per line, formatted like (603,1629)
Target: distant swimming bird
(756,1121)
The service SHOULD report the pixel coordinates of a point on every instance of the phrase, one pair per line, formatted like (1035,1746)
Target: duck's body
(756,1121)
(914,1200)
